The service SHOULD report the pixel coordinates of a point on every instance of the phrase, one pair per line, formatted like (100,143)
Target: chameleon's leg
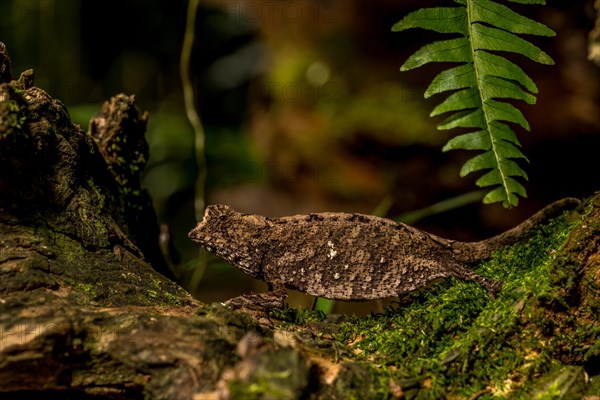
(274,298)
(314,303)
(467,274)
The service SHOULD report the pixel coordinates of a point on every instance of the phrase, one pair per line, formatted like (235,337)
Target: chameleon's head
(231,236)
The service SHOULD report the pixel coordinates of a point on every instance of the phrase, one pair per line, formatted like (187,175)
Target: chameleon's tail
(484,249)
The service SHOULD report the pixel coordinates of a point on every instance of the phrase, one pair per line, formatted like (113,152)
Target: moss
(162,294)
(276,374)
(98,198)
(12,119)
(224,315)
(106,273)
(170,299)
(73,252)
(560,383)
(296,316)
(87,288)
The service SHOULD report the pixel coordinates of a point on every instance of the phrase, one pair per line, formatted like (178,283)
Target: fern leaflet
(480,82)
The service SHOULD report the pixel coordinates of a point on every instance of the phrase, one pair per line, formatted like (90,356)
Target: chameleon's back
(352,256)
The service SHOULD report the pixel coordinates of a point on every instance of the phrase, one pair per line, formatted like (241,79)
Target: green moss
(12,119)
(296,316)
(240,319)
(560,383)
(84,287)
(160,293)
(276,374)
(98,198)
(171,299)
(70,250)
(358,381)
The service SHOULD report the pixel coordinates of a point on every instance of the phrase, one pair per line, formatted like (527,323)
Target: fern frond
(480,84)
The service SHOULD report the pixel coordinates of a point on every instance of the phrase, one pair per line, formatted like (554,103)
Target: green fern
(479,82)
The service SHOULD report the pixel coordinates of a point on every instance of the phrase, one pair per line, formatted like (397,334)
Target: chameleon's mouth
(197,234)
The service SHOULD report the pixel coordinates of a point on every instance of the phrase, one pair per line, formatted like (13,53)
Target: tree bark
(83,313)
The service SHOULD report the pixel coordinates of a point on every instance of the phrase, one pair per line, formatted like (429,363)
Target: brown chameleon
(345,256)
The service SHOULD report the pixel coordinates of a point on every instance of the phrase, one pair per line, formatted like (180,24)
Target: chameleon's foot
(259,301)
(492,287)
(467,274)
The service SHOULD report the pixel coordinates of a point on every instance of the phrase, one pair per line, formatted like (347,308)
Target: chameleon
(345,256)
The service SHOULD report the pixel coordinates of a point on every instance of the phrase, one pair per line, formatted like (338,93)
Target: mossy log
(87,309)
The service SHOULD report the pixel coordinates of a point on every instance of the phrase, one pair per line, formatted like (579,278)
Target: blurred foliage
(388,112)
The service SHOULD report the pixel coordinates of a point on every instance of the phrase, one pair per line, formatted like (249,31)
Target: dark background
(304,107)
